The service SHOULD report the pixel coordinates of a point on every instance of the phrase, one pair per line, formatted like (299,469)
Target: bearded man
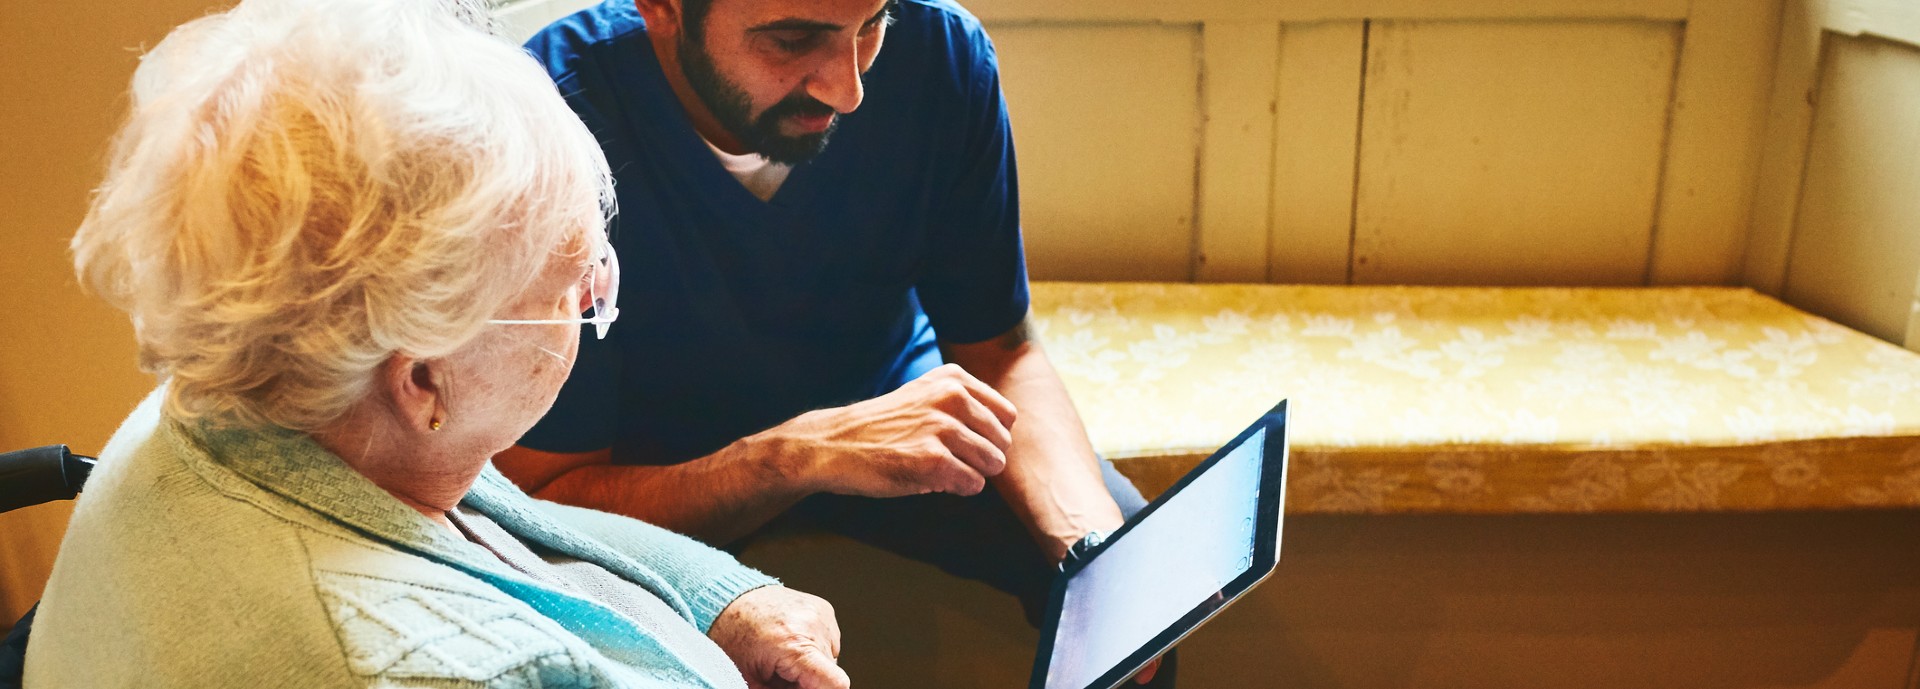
(826,292)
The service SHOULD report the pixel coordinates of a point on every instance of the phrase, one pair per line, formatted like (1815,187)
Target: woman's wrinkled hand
(781,638)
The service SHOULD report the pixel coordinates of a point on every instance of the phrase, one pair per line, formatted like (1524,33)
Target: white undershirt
(760,176)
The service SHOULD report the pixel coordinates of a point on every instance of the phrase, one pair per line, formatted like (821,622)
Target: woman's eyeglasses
(603,288)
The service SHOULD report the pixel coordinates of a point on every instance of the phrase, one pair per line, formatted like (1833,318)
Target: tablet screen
(1174,560)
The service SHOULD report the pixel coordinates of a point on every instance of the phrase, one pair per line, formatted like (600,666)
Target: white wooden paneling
(563,8)
(1894,20)
(1511,152)
(521,20)
(1856,248)
(1316,128)
(1107,120)
(1321,10)
(1271,132)
(1776,196)
(1713,148)
(1805,27)
(1238,61)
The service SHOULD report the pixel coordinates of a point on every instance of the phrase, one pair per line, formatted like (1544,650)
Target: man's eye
(795,41)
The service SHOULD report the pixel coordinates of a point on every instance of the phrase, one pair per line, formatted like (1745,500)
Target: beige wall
(67,371)
(1857,248)
(1834,216)
(1460,142)
(1511,152)
(1837,222)
(1139,222)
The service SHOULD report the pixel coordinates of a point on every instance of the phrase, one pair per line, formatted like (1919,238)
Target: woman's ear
(415,387)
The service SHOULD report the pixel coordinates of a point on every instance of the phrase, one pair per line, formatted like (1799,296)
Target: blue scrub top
(736,314)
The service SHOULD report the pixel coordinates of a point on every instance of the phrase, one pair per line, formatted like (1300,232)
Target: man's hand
(943,432)
(781,638)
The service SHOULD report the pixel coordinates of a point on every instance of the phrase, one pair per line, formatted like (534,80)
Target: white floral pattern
(1451,399)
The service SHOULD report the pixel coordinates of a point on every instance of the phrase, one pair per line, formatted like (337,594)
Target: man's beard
(729,105)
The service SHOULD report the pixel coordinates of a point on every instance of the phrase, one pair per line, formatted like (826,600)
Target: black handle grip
(39,475)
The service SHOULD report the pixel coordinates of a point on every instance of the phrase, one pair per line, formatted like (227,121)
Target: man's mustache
(796,104)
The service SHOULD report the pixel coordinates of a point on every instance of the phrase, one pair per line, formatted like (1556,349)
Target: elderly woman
(357,238)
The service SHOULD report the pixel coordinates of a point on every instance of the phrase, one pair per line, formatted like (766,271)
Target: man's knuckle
(946,425)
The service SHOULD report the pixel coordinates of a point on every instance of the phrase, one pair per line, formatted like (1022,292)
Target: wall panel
(1856,247)
(1107,121)
(1317,120)
(1323,10)
(1238,64)
(1713,145)
(1776,196)
(1511,152)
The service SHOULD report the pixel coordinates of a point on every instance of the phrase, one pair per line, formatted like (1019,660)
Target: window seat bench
(1473,400)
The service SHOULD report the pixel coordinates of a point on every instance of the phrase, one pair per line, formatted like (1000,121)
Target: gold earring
(434,425)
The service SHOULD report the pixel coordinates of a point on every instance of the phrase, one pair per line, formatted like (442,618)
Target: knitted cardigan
(250,558)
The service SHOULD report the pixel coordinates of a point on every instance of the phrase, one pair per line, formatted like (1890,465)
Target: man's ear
(663,17)
(414,386)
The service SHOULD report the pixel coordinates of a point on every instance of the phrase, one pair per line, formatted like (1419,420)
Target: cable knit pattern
(396,630)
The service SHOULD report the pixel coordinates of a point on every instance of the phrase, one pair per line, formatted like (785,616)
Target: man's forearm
(717,498)
(1052,481)
(944,432)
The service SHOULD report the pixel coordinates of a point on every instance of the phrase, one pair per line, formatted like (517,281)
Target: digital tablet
(1196,548)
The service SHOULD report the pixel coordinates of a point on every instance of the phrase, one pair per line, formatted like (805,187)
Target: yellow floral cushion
(1491,400)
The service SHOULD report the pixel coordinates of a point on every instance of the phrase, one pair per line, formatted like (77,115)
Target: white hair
(306,188)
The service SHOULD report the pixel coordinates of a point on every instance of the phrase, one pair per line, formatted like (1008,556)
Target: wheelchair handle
(39,475)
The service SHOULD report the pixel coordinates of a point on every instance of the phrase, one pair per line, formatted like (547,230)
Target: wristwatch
(1078,551)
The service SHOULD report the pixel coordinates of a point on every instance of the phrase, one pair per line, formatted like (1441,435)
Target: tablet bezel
(1266,555)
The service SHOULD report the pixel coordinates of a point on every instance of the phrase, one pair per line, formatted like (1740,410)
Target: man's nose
(837,81)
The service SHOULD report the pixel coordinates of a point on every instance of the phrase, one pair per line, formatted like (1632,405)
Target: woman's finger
(814,669)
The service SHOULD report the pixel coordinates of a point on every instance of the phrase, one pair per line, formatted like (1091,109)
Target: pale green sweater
(257,559)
